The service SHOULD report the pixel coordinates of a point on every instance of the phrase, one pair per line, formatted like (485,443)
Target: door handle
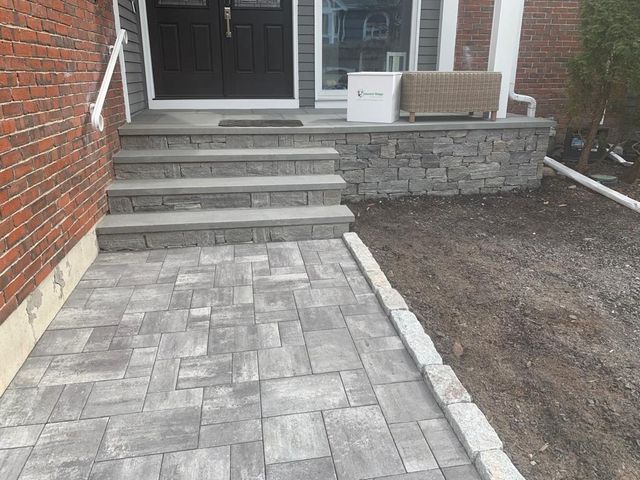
(227,18)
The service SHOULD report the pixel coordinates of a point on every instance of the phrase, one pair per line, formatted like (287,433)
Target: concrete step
(241,162)
(138,231)
(128,196)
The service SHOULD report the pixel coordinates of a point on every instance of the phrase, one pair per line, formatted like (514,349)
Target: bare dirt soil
(534,300)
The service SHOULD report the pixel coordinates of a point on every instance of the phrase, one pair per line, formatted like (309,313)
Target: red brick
(53,167)
(549,39)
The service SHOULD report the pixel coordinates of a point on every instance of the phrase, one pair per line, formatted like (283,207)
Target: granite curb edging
(474,431)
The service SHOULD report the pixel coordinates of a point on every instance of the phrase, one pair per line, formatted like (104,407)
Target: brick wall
(474,34)
(53,166)
(549,39)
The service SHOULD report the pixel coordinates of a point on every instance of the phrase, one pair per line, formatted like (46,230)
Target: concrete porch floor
(167,122)
(230,362)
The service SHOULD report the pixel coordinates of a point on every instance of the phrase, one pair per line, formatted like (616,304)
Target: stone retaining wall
(392,164)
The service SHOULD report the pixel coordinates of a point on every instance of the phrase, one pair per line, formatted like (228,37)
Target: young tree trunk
(583,163)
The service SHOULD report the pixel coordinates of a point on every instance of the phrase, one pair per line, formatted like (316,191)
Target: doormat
(260,123)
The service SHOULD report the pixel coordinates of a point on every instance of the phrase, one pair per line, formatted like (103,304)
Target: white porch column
(448,33)
(505,45)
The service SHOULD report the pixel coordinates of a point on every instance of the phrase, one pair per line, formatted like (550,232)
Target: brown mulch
(538,295)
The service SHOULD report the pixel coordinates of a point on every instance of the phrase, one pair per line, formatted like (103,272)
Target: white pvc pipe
(533,104)
(617,158)
(593,185)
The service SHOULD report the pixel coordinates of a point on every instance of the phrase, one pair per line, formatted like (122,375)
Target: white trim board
(221,103)
(123,70)
(224,103)
(448,34)
(321,96)
(505,46)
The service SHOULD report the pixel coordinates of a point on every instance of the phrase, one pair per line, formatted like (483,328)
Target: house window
(361,35)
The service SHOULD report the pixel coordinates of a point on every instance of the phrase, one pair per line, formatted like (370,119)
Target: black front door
(185,48)
(221,48)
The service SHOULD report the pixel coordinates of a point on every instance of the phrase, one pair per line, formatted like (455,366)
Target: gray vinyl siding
(306,49)
(134,63)
(429,35)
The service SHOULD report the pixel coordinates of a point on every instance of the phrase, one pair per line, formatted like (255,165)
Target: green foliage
(607,69)
(606,72)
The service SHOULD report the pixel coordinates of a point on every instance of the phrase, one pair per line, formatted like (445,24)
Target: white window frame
(218,103)
(338,98)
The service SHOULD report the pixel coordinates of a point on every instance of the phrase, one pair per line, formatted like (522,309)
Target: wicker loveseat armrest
(450,92)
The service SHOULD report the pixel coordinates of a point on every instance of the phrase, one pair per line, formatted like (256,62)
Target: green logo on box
(365,94)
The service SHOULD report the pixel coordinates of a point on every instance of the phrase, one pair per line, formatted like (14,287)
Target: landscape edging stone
(473,428)
(480,440)
(445,385)
(415,339)
(495,464)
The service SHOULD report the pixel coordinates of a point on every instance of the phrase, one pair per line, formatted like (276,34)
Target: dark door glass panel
(182,3)
(256,3)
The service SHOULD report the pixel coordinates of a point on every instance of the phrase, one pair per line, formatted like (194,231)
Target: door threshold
(224,103)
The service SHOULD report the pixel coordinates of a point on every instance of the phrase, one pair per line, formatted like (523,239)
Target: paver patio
(233,362)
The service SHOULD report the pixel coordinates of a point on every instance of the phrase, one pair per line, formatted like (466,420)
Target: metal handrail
(96,108)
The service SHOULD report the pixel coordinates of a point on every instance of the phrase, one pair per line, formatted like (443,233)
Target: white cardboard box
(374,97)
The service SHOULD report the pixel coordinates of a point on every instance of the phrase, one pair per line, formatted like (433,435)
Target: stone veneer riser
(128,171)
(393,164)
(154,203)
(207,238)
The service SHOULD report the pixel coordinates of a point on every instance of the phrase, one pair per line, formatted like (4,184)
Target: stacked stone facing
(167,198)
(401,163)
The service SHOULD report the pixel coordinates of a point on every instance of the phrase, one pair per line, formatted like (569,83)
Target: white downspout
(533,104)
(593,185)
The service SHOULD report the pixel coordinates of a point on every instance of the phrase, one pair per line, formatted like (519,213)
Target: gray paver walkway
(233,363)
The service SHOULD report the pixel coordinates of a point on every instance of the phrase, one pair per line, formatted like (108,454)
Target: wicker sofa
(450,92)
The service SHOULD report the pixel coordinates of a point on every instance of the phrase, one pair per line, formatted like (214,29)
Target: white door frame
(216,103)
(338,99)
